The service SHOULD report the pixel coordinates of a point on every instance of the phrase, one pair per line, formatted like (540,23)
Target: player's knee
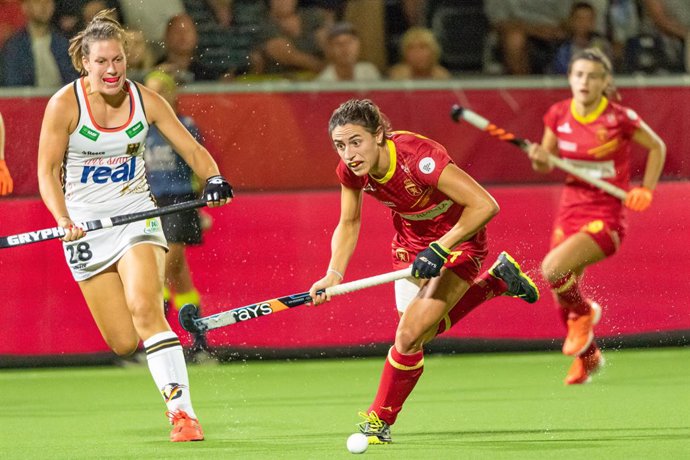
(123,348)
(146,315)
(407,341)
(549,270)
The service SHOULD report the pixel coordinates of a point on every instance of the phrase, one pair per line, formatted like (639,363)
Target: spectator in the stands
(37,55)
(342,52)
(295,39)
(151,17)
(400,16)
(582,35)
(421,53)
(229,35)
(72,15)
(140,60)
(333,9)
(623,18)
(670,20)
(12,19)
(181,59)
(529,32)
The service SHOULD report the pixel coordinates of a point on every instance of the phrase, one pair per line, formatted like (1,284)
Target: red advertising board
(266,245)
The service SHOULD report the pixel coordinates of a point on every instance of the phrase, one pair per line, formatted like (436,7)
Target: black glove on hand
(428,263)
(217,188)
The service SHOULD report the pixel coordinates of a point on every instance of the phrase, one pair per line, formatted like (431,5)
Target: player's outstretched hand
(72,232)
(6,183)
(429,262)
(217,191)
(638,198)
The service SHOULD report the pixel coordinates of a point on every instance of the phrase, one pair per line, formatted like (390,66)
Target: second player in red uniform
(594,133)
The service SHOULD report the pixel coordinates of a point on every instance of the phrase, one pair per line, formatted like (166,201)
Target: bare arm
(282,51)
(2,138)
(656,157)
(343,241)
(162,115)
(58,120)
(667,24)
(480,206)
(539,154)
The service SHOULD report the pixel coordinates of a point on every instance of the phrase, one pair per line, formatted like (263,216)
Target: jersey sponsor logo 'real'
(252,311)
(103,174)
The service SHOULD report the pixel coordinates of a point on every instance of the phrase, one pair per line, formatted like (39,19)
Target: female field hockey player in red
(439,214)
(90,166)
(595,134)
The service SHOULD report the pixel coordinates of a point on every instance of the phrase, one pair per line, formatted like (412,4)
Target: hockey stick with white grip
(190,320)
(46,234)
(485,125)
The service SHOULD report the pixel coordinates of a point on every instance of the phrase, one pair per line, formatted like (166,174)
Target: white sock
(169,370)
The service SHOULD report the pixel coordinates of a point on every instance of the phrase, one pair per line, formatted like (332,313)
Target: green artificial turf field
(470,406)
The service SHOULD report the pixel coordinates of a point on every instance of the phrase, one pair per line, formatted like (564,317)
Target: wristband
(333,270)
(442,251)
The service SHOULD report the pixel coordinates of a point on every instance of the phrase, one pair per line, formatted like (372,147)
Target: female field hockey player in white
(90,166)
(439,215)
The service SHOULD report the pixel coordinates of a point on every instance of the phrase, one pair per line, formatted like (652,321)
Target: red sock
(568,296)
(483,288)
(399,377)
(590,350)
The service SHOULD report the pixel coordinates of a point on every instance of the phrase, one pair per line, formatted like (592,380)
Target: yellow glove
(6,184)
(638,198)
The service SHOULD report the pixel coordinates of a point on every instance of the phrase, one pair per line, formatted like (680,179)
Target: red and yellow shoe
(185,428)
(584,366)
(581,331)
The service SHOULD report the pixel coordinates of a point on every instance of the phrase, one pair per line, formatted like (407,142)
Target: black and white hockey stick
(190,320)
(485,125)
(46,234)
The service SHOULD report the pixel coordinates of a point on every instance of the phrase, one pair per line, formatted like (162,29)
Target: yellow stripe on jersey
(402,367)
(604,149)
(430,214)
(592,116)
(410,133)
(393,163)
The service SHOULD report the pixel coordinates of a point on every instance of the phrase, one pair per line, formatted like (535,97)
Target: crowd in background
(340,40)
